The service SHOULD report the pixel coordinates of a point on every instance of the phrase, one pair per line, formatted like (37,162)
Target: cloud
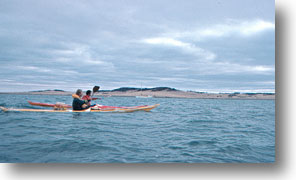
(34,68)
(262,69)
(82,55)
(187,47)
(122,43)
(243,28)
(258,26)
(216,65)
(57,71)
(165,41)
(224,68)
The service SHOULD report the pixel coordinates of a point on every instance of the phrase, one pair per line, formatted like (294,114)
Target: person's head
(88,92)
(79,92)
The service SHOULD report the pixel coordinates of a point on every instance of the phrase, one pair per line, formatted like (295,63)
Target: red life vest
(86,97)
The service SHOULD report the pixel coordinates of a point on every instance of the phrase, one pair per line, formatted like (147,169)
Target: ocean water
(179,130)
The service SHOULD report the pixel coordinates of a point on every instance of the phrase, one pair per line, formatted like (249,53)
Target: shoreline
(160,94)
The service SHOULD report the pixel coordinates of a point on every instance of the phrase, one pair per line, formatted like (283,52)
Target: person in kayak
(79,104)
(87,97)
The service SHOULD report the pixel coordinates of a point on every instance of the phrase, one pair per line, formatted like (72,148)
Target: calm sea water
(179,130)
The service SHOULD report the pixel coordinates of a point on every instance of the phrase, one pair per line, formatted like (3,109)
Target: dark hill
(124,89)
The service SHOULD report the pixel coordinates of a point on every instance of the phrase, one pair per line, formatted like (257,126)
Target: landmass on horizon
(157,92)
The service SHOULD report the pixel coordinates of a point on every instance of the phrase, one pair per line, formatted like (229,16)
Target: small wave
(206,121)
(235,149)
(198,143)
(66,145)
(176,147)
(187,154)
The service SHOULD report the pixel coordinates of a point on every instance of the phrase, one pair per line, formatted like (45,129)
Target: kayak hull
(127,109)
(68,106)
(46,104)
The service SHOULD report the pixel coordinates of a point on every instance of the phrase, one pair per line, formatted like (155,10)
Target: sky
(196,45)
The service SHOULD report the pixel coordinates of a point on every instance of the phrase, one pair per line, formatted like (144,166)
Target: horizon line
(186,90)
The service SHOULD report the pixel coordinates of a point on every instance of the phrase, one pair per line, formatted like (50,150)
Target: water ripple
(180,130)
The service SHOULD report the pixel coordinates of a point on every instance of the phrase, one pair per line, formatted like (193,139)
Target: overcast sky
(201,45)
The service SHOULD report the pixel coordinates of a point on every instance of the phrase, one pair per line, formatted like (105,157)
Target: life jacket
(75,96)
(88,98)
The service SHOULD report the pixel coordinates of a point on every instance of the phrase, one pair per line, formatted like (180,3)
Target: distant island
(157,92)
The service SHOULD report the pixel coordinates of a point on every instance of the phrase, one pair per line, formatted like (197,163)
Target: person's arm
(83,103)
(84,106)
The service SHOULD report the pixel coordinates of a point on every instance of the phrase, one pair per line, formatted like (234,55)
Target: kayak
(95,107)
(125,109)
(46,104)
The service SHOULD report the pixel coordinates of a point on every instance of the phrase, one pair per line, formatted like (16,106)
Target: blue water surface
(179,130)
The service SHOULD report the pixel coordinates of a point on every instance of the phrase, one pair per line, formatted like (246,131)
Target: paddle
(95,89)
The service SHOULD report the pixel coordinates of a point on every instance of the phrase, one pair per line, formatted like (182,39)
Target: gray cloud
(192,45)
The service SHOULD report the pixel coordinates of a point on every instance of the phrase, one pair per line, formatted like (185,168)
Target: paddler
(87,97)
(79,104)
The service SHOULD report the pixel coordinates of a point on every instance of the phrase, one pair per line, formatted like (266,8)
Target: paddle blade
(96,89)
